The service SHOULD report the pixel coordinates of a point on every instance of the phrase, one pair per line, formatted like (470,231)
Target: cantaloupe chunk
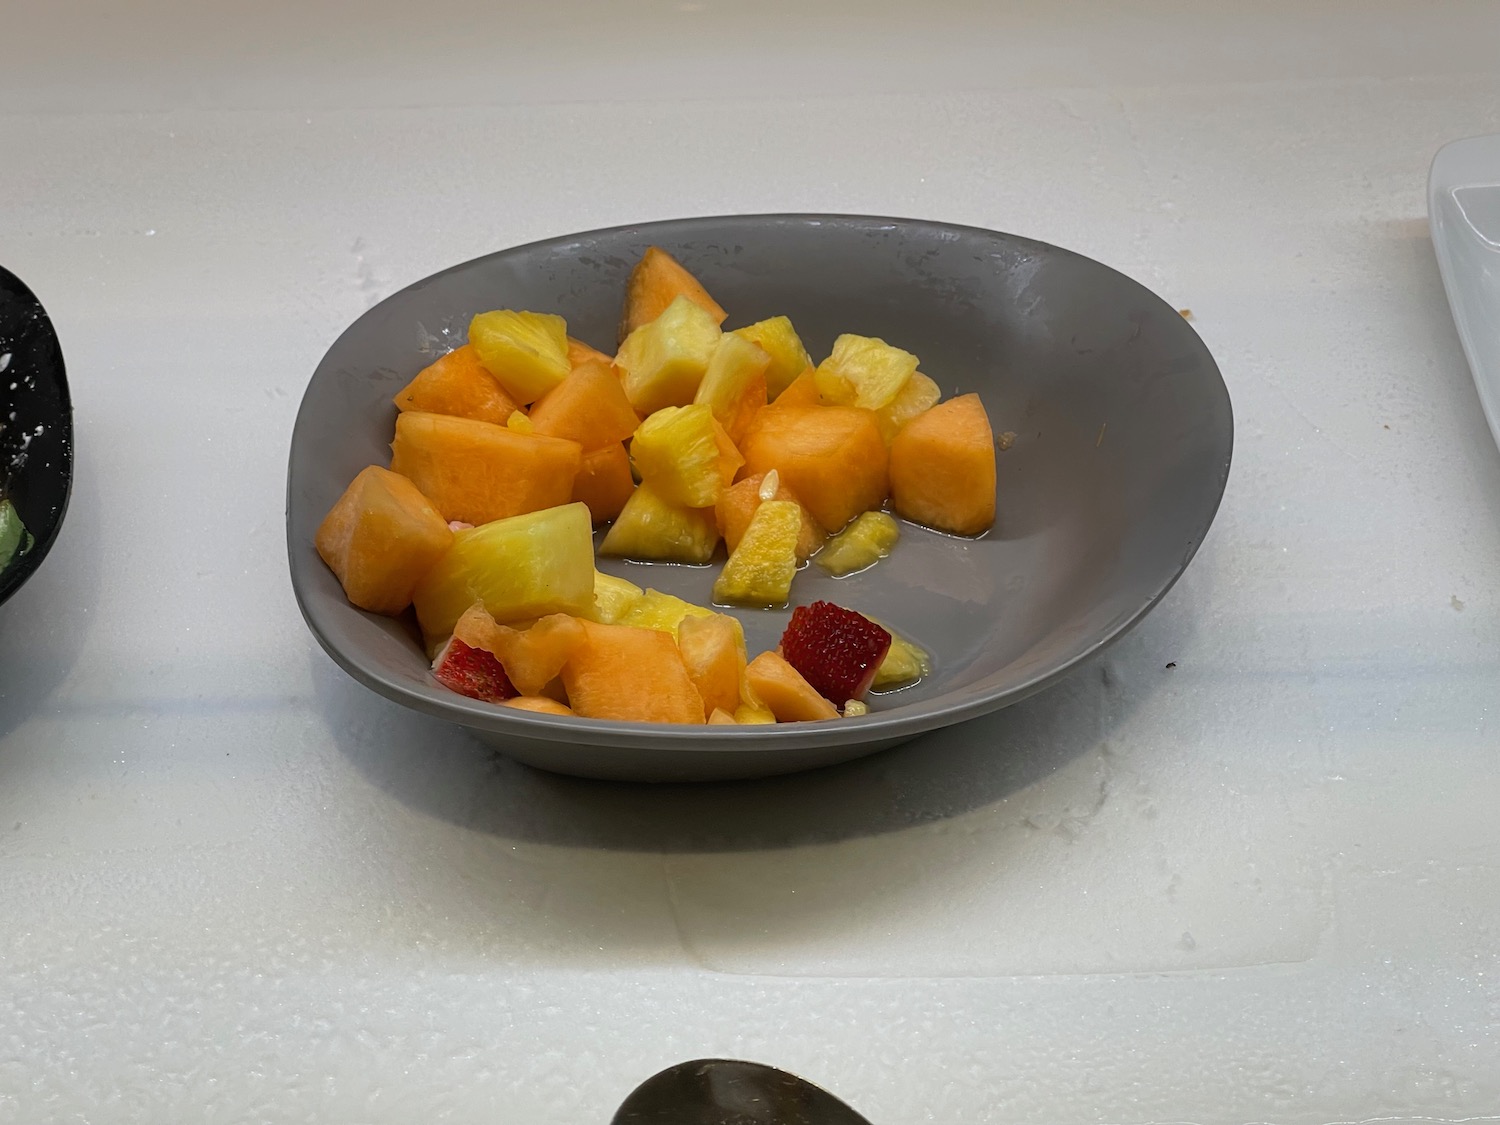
(532,657)
(538,703)
(713,648)
(458,384)
(604,482)
(780,341)
(580,353)
(737,504)
(652,528)
(477,472)
(734,386)
(657,280)
(380,538)
(943,467)
(788,696)
(831,457)
(589,406)
(801,391)
(520,568)
(634,675)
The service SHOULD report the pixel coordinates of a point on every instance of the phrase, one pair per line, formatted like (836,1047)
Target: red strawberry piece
(837,650)
(473,672)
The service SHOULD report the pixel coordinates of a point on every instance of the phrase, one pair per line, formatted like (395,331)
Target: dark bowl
(1122,436)
(36,443)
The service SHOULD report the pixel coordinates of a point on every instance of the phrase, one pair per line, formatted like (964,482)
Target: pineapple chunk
(780,341)
(749,714)
(863,543)
(683,453)
(760,570)
(613,598)
(652,527)
(662,363)
(869,368)
(519,421)
(919,395)
(662,612)
(734,386)
(526,352)
(904,662)
(521,568)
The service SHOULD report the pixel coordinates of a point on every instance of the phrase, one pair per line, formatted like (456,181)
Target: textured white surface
(1263,885)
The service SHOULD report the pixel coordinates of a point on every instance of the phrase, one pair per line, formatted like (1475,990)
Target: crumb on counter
(1186,314)
(1005,440)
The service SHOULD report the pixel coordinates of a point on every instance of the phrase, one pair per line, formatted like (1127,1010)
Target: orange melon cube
(580,353)
(380,538)
(737,503)
(589,406)
(657,280)
(713,648)
(458,384)
(533,657)
(604,482)
(477,472)
(635,675)
(801,391)
(943,467)
(831,457)
(784,691)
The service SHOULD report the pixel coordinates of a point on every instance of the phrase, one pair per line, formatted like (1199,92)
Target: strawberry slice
(837,650)
(473,672)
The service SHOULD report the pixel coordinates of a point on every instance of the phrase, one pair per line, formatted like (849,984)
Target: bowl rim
(885,727)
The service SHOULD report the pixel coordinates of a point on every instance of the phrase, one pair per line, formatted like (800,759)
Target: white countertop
(1260,886)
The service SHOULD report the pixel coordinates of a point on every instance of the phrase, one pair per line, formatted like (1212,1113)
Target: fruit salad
(512,450)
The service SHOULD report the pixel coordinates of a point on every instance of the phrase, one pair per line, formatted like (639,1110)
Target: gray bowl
(1122,426)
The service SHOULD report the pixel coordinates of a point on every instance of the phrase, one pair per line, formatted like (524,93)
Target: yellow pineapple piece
(867,540)
(613,598)
(734,386)
(526,352)
(760,569)
(521,567)
(519,421)
(874,371)
(904,662)
(721,718)
(919,395)
(662,612)
(662,363)
(855,708)
(652,527)
(780,341)
(684,455)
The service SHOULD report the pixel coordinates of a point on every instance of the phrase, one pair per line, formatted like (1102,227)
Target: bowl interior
(1118,425)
